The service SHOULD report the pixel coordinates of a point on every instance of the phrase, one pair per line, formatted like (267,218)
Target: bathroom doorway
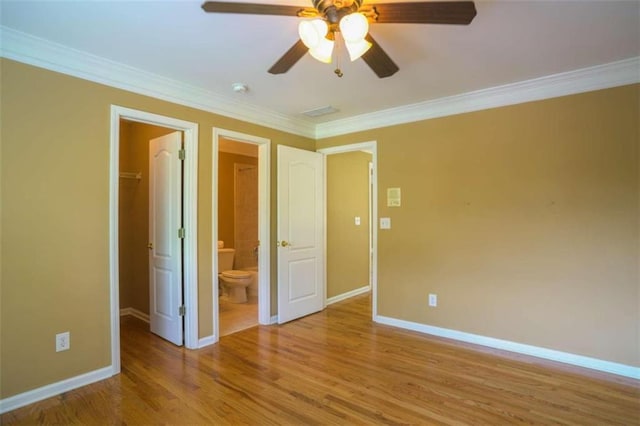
(238,230)
(241,226)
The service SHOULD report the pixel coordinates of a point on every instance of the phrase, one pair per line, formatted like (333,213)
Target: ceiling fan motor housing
(335,10)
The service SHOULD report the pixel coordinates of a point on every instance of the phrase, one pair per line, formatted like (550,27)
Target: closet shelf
(131,175)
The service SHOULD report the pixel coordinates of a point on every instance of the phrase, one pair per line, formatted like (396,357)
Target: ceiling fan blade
(251,8)
(378,60)
(289,59)
(436,12)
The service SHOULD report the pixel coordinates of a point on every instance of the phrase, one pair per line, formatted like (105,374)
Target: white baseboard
(550,354)
(135,313)
(348,294)
(206,341)
(35,395)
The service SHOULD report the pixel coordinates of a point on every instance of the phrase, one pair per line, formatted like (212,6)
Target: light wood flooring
(336,367)
(235,317)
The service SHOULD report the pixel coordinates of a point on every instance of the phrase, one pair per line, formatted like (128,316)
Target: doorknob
(150,246)
(284,244)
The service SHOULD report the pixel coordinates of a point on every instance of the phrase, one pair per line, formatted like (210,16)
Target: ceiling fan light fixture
(323,50)
(313,35)
(354,27)
(312,32)
(357,48)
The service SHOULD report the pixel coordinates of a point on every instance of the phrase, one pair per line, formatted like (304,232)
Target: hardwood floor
(336,367)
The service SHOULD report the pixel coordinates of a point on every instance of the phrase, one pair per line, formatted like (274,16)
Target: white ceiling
(508,42)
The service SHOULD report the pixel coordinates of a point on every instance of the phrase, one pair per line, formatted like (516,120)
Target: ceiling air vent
(320,111)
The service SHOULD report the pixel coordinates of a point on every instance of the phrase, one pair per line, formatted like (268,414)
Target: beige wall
(55,219)
(347,243)
(134,214)
(523,219)
(226,221)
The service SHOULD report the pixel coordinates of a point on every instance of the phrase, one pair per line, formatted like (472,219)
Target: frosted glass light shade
(357,48)
(323,50)
(313,35)
(312,32)
(354,27)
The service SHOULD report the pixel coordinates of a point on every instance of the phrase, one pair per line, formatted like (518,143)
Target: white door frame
(264,207)
(371,147)
(190,196)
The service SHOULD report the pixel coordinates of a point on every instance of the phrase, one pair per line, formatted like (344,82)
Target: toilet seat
(238,275)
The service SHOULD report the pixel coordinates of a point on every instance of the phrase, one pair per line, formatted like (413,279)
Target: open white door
(165,243)
(301,287)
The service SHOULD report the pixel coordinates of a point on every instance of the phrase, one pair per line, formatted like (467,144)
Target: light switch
(385,223)
(357,220)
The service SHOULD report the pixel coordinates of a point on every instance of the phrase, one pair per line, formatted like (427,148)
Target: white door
(165,244)
(301,287)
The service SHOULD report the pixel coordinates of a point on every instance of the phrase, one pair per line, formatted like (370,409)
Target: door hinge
(182,154)
(181,233)
(182,311)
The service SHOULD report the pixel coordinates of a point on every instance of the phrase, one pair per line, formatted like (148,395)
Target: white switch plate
(433,300)
(357,220)
(63,342)
(385,223)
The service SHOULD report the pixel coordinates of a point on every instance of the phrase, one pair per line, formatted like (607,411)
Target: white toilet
(235,282)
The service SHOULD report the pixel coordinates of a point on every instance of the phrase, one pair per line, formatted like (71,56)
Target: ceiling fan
(350,20)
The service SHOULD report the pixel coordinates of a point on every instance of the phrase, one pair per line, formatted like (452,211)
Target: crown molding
(42,53)
(613,74)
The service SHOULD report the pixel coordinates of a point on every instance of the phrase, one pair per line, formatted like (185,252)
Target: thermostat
(393,197)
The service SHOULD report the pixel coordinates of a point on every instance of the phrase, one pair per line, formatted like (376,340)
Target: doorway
(351,221)
(150,213)
(238,239)
(240,217)
(189,131)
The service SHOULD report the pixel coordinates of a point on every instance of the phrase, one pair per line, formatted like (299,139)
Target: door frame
(264,224)
(190,197)
(371,147)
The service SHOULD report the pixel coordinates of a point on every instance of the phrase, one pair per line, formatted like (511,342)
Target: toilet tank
(225,259)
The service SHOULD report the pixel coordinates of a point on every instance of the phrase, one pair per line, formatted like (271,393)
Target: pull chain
(337,71)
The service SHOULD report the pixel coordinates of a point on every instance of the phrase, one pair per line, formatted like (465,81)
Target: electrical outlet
(433,300)
(63,341)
